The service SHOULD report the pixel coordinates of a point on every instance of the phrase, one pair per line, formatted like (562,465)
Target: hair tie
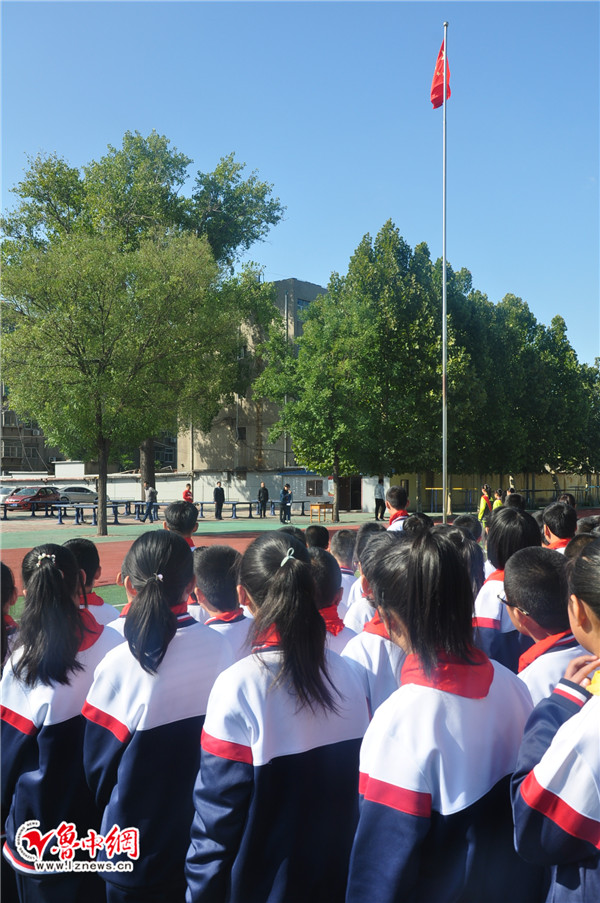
(158,577)
(289,554)
(43,555)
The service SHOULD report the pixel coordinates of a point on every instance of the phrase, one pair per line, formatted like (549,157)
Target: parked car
(78,494)
(5,491)
(23,498)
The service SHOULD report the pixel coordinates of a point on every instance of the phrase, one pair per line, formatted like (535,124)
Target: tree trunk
(336,489)
(103,449)
(147,469)
(418,493)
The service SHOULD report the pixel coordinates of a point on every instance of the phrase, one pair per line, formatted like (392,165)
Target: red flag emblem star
(437,85)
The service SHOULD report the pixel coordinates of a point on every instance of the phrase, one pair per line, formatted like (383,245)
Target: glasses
(503,598)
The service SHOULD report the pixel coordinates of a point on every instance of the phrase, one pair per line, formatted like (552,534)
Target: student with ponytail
(44,685)
(276,796)
(144,714)
(435,764)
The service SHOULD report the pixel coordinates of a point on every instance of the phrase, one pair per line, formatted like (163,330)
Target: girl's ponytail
(159,565)
(276,572)
(51,629)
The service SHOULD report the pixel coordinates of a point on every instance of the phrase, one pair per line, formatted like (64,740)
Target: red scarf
(495,575)
(452,675)
(376,626)
(270,638)
(542,646)
(333,622)
(396,515)
(227,617)
(559,543)
(92,599)
(10,622)
(92,629)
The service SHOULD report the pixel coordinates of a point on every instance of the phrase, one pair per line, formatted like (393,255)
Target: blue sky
(329,101)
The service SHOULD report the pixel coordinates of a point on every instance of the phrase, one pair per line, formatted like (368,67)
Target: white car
(5,491)
(77,494)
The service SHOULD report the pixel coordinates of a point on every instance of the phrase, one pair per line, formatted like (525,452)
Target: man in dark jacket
(263,498)
(219,499)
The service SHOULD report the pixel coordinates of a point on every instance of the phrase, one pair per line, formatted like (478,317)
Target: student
(470,551)
(328,594)
(469,523)
(88,559)
(510,530)
(515,500)
(537,596)
(396,502)
(182,517)
(215,569)
(276,796)
(560,525)
(555,788)
(435,820)
(44,685)
(575,545)
(144,715)
(296,532)
(317,537)
(374,656)
(498,499)
(342,548)
(9,625)
(417,523)
(187,493)
(569,498)
(360,608)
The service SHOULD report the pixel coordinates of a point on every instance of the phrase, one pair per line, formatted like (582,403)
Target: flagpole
(444,324)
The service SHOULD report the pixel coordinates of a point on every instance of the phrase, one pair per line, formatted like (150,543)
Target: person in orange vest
(485,504)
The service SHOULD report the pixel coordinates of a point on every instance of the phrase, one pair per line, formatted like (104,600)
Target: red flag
(437,85)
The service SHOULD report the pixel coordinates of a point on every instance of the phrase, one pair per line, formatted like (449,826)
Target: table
(321,506)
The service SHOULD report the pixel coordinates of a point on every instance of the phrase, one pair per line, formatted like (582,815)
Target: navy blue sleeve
(502,647)
(19,752)
(102,753)
(221,800)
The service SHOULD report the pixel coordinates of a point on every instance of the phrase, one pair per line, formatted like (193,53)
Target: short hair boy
(328,583)
(216,570)
(560,525)
(537,597)
(396,502)
(317,537)
(182,517)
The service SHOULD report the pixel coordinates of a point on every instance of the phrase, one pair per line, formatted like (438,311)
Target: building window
(314,488)
(301,307)
(241,434)
(168,455)
(9,451)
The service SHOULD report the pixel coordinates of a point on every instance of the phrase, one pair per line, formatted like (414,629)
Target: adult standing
(283,503)
(187,493)
(150,495)
(219,499)
(288,503)
(263,498)
(379,500)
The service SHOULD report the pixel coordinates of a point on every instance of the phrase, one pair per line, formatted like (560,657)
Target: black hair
(276,572)
(7,590)
(589,523)
(538,517)
(470,551)
(510,530)
(363,534)
(561,519)
(87,557)
(425,583)
(181,517)
(51,628)
(397,496)
(470,523)
(576,544)
(296,532)
(535,580)
(327,574)
(317,536)
(515,500)
(159,565)
(416,523)
(487,489)
(500,494)
(569,498)
(342,545)
(584,576)
(216,570)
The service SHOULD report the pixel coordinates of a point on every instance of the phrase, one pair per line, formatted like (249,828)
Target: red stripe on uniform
(225,749)
(563,815)
(24,725)
(492,623)
(103,719)
(409,801)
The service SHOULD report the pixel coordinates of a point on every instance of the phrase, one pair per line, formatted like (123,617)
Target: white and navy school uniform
(337,634)
(277,793)
(543,664)
(348,580)
(42,750)
(142,749)
(101,610)
(235,627)
(359,613)
(377,661)
(493,631)
(556,792)
(435,821)
(397,521)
